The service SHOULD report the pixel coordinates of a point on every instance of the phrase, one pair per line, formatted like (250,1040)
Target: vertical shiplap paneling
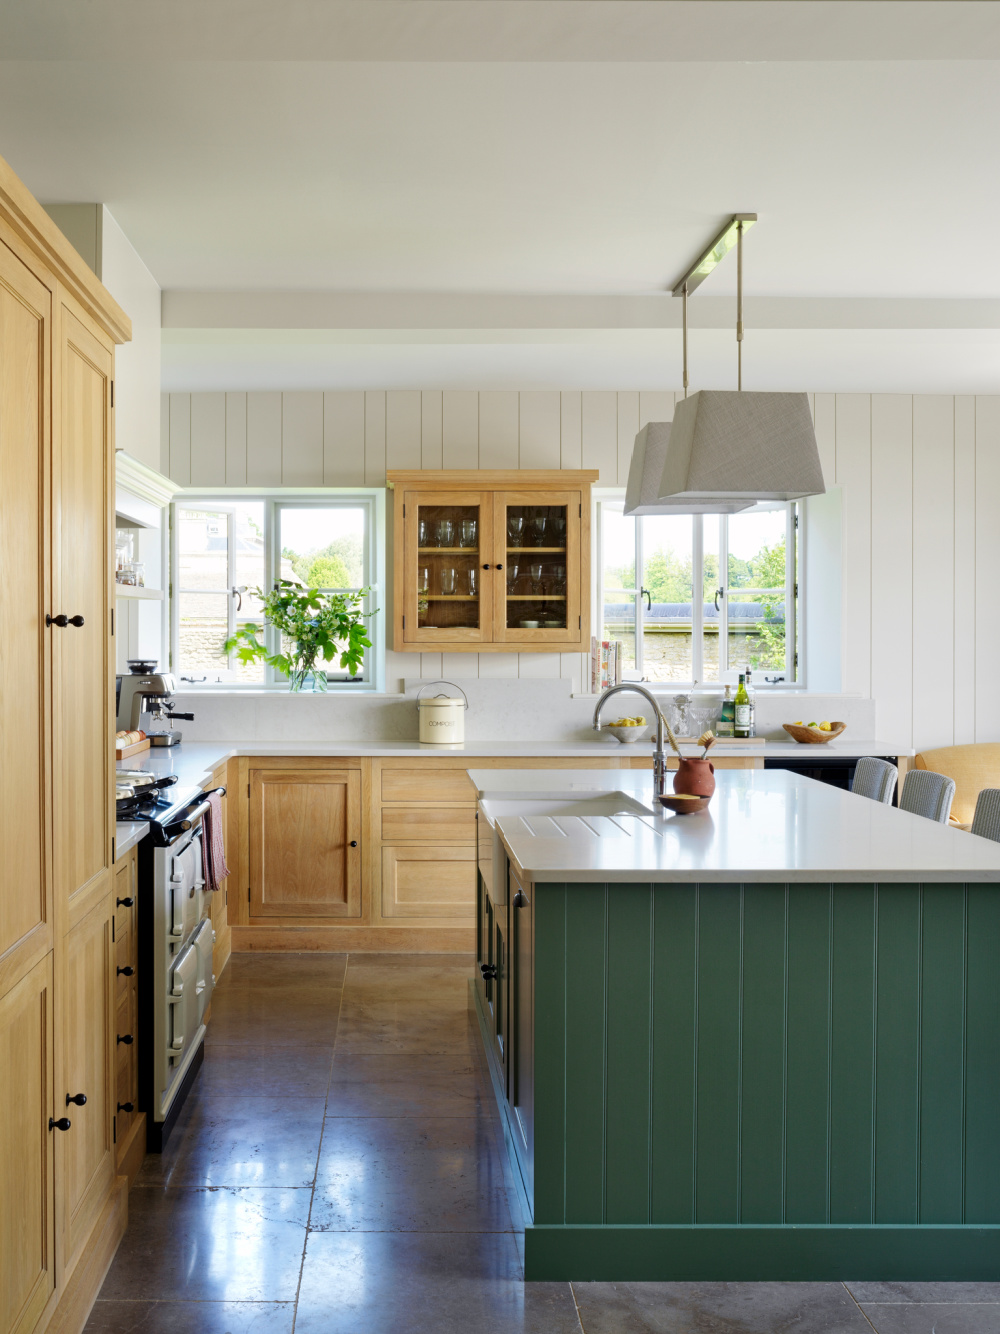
(165,434)
(551,965)
(344,438)
(825,421)
(573,667)
(599,434)
(374,437)
(263,439)
(628,425)
(763,1055)
(942,1051)
(586,1047)
(539,429)
(430,428)
(571,429)
(933,569)
(498,664)
(897,1054)
(180,439)
(498,428)
(430,667)
(208,439)
(539,665)
(987,565)
(852,1055)
(982,1122)
(655,405)
(302,438)
(675,986)
(236,439)
(854,474)
(398,666)
(629,1043)
(807,1072)
(402,428)
(460,428)
(965,573)
(459,666)
(891,565)
(718,1078)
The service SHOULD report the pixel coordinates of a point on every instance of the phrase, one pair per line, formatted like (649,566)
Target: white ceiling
(519,147)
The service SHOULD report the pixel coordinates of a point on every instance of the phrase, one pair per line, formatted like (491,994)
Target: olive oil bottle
(741,726)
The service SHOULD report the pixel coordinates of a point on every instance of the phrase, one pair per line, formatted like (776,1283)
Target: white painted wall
(919,539)
(137,364)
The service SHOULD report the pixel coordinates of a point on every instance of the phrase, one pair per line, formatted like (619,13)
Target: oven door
(202,942)
(182,1004)
(186,886)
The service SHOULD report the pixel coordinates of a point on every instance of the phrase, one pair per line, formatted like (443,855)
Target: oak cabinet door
(27,1271)
(448,574)
(82,663)
(433,884)
(86,1150)
(305,843)
(538,602)
(25,307)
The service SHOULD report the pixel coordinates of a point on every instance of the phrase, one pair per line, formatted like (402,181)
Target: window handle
(644,593)
(719,593)
(237,593)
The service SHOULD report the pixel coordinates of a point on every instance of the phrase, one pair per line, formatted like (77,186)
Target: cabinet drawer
(427,785)
(429,883)
(454,823)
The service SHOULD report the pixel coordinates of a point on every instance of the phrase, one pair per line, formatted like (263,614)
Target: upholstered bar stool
(986,821)
(928,794)
(875,779)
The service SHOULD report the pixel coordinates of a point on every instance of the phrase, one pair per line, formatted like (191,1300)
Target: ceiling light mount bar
(717,251)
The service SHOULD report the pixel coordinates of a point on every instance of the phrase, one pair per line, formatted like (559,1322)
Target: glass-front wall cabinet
(492,568)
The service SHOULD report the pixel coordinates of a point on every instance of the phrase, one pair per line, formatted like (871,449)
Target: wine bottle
(752,696)
(728,715)
(741,726)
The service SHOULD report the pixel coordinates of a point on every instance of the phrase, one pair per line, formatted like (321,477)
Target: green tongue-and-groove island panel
(766,1081)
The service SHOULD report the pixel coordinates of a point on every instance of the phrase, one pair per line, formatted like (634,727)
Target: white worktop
(127,834)
(194,761)
(762,825)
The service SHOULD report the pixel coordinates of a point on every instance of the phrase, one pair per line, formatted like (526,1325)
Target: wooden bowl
(628,735)
(812,736)
(683,805)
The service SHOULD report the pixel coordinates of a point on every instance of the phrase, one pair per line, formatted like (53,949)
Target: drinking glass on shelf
(558,526)
(535,573)
(515,529)
(472,576)
(425,533)
(539,524)
(513,573)
(559,579)
(468,533)
(445,532)
(424,579)
(448,582)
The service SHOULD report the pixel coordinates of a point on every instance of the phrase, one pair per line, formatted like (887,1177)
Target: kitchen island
(762,1042)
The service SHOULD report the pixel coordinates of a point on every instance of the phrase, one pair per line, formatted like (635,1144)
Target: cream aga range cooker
(175,956)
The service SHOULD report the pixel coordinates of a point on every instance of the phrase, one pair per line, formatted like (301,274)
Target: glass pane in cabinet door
(449,570)
(536,567)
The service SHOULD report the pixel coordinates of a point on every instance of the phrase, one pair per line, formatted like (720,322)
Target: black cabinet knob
(126,1038)
(488,970)
(353,843)
(486,567)
(63,1123)
(124,903)
(499,567)
(79,1099)
(127,971)
(519,900)
(62,621)
(76,620)
(126,1106)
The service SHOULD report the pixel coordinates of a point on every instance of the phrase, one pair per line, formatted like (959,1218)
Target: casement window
(224,546)
(695,598)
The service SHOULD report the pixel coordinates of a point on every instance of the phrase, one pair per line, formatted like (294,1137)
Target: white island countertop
(762,825)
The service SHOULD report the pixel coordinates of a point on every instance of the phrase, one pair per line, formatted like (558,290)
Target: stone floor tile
(239,1141)
(216,1245)
(425,1283)
(351,1068)
(416,1033)
(183,1317)
(718,1308)
(426,1095)
(934,1317)
(925,1292)
(276,1071)
(440,1174)
(266,1017)
(270,969)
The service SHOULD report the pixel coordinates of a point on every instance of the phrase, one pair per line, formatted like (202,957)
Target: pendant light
(725,450)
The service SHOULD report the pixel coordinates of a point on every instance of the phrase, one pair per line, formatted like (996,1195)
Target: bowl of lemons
(813,734)
(628,730)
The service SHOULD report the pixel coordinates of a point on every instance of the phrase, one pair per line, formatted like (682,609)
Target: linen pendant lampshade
(645,474)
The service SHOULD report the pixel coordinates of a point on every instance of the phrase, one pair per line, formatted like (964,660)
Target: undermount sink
(590,803)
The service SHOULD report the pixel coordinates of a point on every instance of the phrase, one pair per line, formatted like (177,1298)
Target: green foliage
(318,624)
(338,565)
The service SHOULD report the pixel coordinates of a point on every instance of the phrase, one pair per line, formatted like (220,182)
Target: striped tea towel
(216,869)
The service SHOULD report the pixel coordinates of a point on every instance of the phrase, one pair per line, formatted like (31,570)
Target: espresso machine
(145,691)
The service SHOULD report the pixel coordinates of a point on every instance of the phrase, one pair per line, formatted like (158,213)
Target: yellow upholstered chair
(972,768)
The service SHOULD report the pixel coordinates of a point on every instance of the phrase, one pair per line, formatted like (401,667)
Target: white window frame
(793,675)
(371,499)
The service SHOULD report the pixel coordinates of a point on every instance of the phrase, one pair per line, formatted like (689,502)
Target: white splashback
(920,538)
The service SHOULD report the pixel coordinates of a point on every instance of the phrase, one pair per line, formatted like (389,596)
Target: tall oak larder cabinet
(62,1203)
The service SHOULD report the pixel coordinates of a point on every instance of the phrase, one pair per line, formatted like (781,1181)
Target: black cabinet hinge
(112,393)
(248,893)
(112,850)
(579,622)
(404,511)
(112,622)
(248,789)
(404,622)
(114,1130)
(580,509)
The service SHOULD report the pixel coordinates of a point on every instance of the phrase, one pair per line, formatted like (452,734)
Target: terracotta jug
(695,777)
